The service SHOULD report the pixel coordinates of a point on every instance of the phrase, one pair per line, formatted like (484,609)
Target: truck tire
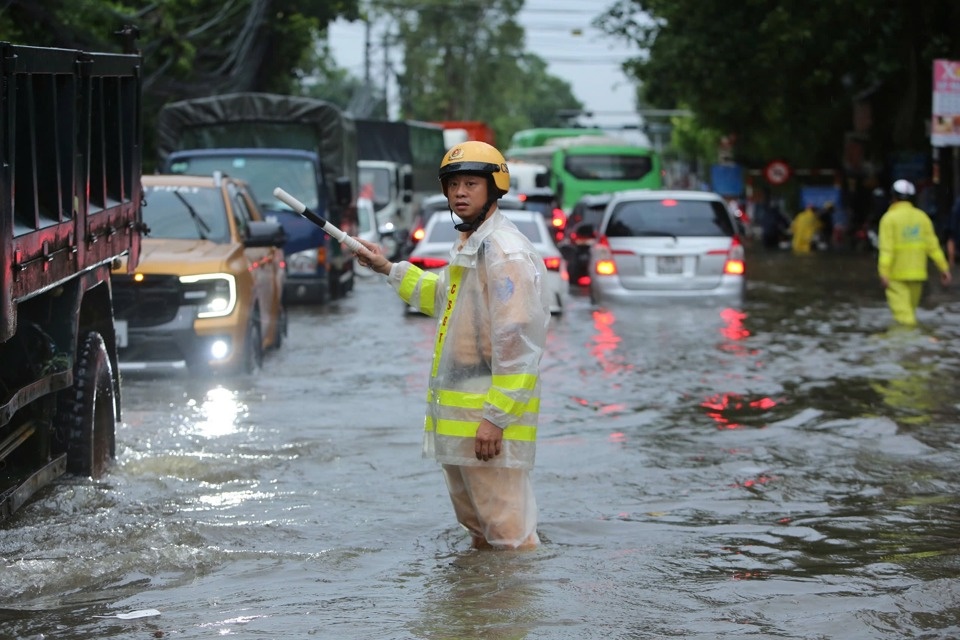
(87,414)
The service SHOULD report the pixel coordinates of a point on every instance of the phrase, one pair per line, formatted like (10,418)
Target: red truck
(457,131)
(70,179)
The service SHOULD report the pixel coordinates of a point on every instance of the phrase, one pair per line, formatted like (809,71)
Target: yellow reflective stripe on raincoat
(464,400)
(515,381)
(443,328)
(468,429)
(428,288)
(512,406)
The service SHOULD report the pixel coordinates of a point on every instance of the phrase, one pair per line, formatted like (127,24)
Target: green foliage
(190,48)
(783,74)
(466,60)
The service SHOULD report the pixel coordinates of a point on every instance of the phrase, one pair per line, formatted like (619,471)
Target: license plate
(669,265)
(120,328)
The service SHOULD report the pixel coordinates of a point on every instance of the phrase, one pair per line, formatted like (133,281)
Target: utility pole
(366,52)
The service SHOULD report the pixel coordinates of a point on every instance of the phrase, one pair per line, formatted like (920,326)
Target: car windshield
(669,217)
(296,176)
(186,213)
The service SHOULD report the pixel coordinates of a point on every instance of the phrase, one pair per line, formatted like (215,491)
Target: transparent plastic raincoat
(493,310)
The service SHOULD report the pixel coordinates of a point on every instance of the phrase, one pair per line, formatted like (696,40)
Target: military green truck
(70,154)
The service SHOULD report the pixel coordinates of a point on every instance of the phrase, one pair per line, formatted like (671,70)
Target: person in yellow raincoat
(804,228)
(906,240)
(483,395)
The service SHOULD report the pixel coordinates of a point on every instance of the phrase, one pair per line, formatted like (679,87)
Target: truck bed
(69,168)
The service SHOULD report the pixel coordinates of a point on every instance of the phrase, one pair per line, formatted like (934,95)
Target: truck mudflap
(12,499)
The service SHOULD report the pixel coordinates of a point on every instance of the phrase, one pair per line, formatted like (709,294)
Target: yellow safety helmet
(475,156)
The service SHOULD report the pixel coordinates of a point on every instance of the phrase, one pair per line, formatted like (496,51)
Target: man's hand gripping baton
(320,221)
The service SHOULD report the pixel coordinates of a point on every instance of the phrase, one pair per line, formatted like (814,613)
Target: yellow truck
(208,292)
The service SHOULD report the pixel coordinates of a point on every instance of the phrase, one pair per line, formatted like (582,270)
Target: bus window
(608,167)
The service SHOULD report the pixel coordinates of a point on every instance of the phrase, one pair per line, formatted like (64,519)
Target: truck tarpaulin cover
(262,120)
(418,144)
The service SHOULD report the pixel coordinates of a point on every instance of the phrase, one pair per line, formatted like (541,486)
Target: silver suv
(666,244)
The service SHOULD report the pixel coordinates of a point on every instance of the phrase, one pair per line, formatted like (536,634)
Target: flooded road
(785,470)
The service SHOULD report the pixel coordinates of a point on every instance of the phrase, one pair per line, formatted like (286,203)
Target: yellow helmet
(474,156)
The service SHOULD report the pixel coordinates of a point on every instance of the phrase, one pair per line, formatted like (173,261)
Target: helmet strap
(474,224)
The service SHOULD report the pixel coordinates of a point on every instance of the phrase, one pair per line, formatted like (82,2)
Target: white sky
(589,62)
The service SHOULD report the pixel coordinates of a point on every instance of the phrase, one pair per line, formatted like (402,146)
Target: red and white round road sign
(777,172)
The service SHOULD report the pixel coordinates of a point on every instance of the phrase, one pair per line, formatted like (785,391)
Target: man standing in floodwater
(492,307)
(907,240)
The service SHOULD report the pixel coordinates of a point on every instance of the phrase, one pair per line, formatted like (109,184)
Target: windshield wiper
(202,227)
(664,234)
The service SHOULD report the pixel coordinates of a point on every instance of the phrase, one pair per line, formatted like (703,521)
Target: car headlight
(304,262)
(214,294)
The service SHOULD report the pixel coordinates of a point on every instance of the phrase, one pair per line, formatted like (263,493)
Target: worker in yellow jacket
(906,241)
(804,228)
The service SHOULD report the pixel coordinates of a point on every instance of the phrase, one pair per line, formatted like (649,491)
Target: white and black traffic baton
(333,231)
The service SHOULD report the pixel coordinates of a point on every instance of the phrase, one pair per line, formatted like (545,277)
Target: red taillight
(418,234)
(734,264)
(428,263)
(606,268)
(669,202)
(559,219)
(733,267)
(583,281)
(553,263)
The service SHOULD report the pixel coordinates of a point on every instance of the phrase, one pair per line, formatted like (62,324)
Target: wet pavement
(788,469)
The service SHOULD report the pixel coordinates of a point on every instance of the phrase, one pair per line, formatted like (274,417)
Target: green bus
(527,138)
(590,168)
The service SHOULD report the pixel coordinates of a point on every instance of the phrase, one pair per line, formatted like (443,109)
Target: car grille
(151,302)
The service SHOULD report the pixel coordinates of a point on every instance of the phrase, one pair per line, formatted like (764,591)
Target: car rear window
(586,214)
(443,231)
(185,213)
(669,217)
(543,207)
(530,229)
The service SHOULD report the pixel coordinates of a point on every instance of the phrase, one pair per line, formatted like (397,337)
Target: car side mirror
(261,233)
(343,191)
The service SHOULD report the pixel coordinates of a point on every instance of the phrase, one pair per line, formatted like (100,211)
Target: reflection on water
(217,413)
(481,595)
(786,469)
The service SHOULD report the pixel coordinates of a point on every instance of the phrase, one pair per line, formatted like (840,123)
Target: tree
(474,67)
(190,48)
(783,75)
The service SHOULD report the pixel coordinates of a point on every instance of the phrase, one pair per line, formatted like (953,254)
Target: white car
(433,252)
(668,245)
(367,229)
